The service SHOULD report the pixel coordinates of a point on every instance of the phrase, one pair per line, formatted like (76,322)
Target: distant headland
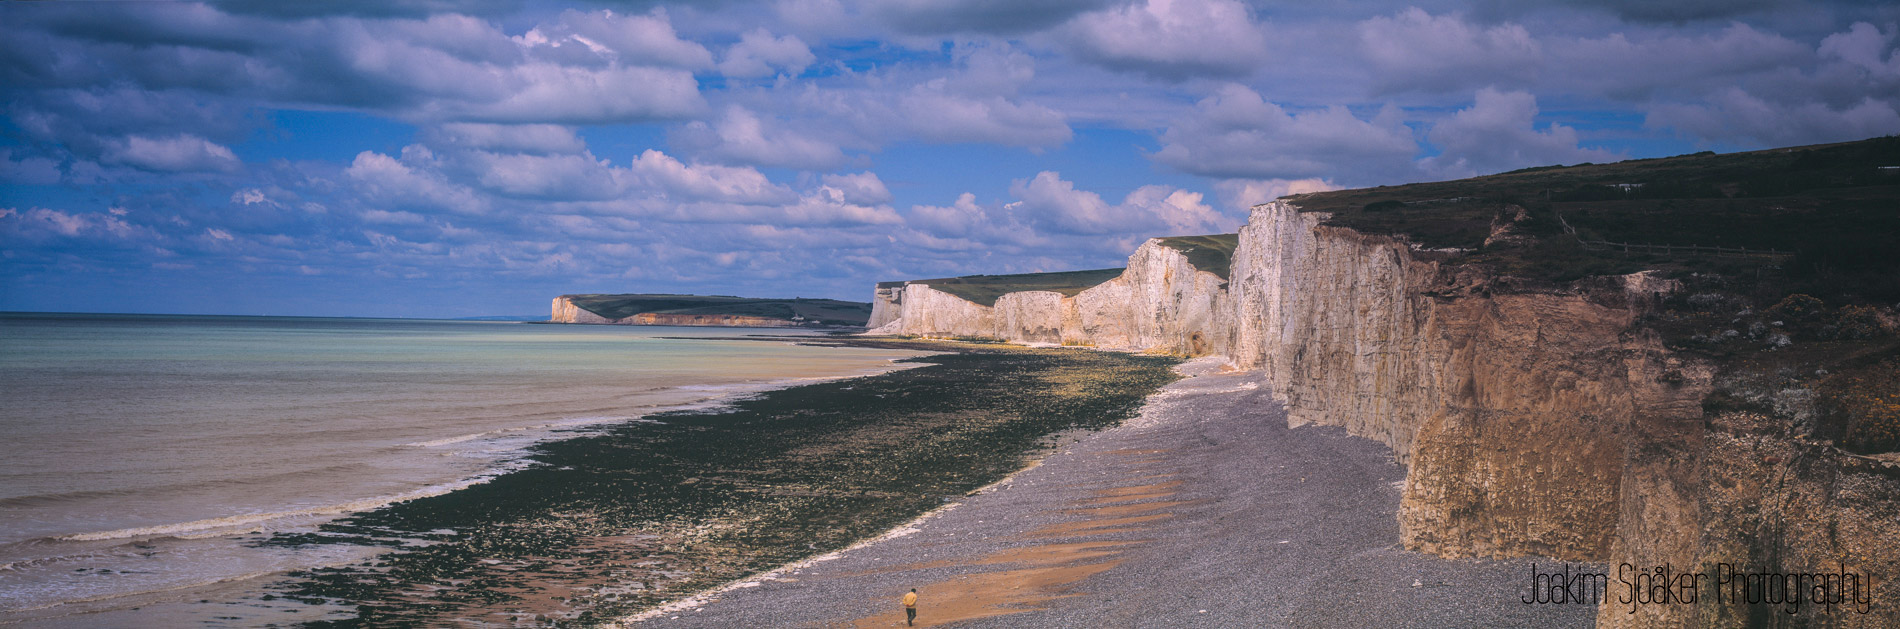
(707,310)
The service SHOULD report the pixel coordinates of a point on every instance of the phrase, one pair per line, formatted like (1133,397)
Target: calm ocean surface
(140,450)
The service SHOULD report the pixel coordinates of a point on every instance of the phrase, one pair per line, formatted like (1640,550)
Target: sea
(138,453)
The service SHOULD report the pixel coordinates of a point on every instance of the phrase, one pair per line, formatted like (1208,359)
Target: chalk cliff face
(566,312)
(1337,323)
(930,312)
(1539,420)
(1549,421)
(711,320)
(1161,303)
(1740,492)
(1512,406)
(886,304)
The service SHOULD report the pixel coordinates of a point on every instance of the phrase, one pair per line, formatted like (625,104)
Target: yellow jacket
(910,599)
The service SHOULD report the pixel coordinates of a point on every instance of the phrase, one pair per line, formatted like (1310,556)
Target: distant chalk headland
(704,310)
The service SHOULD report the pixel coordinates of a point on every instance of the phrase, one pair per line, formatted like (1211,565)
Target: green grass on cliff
(1818,317)
(985,289)
(821,311)
(1832,205)
(1213,253)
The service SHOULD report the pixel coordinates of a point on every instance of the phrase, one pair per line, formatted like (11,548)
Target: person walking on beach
(910,608)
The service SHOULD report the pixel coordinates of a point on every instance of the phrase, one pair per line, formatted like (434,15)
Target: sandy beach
(1206,511)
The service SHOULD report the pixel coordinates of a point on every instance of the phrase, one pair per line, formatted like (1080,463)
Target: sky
(431,158)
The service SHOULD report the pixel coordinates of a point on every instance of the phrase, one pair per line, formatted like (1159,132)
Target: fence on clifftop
(1630,247)
(1720,252)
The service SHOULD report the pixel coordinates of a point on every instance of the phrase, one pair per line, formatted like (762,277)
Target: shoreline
(664,510)
(244,529)
(1201,511)
(711,595)
(789,325)
(778,573)
(247,523)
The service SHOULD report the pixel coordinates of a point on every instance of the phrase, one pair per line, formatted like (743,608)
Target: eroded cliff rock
(1160,303)
(1537,418)
(706,320)
(1512,405)
(886,304)
(564,311)
(1740,497)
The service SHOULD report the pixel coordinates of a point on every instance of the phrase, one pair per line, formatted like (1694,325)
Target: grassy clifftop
(985,289)
(1805,334)
(1834,207)
(1213,253)
(815,311)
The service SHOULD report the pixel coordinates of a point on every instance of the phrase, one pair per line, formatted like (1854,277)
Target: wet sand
(1206,511)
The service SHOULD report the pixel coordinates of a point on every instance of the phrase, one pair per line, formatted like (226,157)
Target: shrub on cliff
(1861,322)
(1796,308)
(1800,315)
(1865,403)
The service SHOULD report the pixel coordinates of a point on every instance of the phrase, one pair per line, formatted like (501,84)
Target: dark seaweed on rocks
(612,524)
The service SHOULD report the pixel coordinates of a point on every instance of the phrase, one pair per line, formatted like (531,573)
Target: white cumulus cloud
(1498,133)
(178,153)
(1242,194)
(758,53)
(412,181)
(1235,133)
(708,181)
(1171,38)
(740,135)
(937,115)
(1736,115)
(629,39)
(863,188)
(1417,50)
(1053,204)
(521,138)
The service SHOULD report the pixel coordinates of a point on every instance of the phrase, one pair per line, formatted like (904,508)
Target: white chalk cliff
(1160,303)
(564,311)
(1523,411)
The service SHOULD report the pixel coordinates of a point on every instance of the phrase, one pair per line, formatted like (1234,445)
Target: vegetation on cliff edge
(985,289)
(818,311)
(1213,253)
(1834,207)
(1800,295)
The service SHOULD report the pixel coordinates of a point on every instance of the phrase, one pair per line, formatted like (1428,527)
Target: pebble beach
(1204,511)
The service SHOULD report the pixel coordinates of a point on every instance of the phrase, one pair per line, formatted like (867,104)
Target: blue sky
(438,158)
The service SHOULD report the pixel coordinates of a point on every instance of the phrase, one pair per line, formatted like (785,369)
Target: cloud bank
(335,157)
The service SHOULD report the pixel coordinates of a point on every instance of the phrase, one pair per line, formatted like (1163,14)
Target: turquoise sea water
(140,449)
